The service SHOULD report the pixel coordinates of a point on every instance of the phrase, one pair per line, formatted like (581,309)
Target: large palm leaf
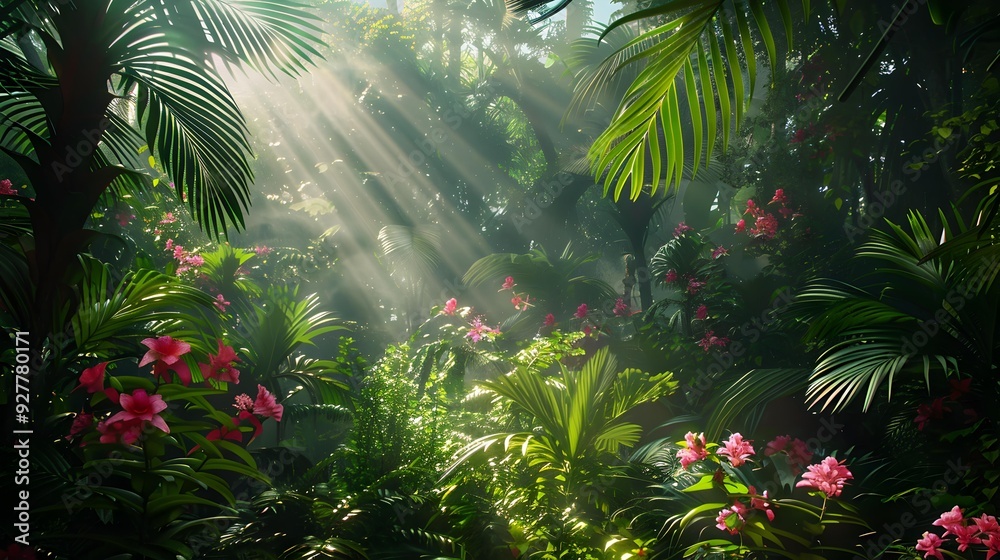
(931,315)
(155,54)
(699,63)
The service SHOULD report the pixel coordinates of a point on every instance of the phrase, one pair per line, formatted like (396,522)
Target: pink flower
(550,320)
(521,304)
(760,502)
(959,388)
(694,449)
(220,366)
(798,452)
(169,246)
(164,349)
(7,188)
(950,520)
(449,307)
(581,312)
(987,524)
(779,196)
(179,252)
(82,421)
(92,378)
(828,476)
(741,226)
(621,308)
(786,212)
(965,536)
(124,218)
(694,286)
(681,229)
(701,313)
(766,227)
(992,545)
(508,284)
(732,518)
(168,218)
(926,413)
(752,209)
(261,249)
(929,545)
(143,407)
(266,405)
(123,431)
(479,330)
(670,277)
(194,260)
(221,303)
(736,449)
(243,402)
(710,340)
(719,251)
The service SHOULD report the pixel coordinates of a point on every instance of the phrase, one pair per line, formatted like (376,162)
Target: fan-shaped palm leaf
(939,314)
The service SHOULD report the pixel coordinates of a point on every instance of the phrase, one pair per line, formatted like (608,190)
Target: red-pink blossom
(694,449)
(681,229)
(82,421)
(736,449)
(741,226)
(719,251)
(124,218)
(760,502)
(7,188)
(621,308)
(121,431)
(164,349)
(950,520)
(828,476)
(142,406)
(926,413)
(266,405)
(194,260)
(753,209)
(798,452)
(449,307)
(220,366)
(92,378)
(261,249)
(779,197)
(581,311)
(508,284)
(987,524)
(959,388)
(710,340)
(478,330)
(695,285)
(966,536)
(220,303)
(929,545)
(168,218)
(169,245)
(243,402)
(766,226)
(701,313)
(179,253)
(550,320)
(732,519)
(670,277)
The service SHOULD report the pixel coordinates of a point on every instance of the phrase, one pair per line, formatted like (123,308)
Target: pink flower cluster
(828,476)
(521,301)
(7,188)
(797,451)
(694,449)
(621,308)
(982,530)
(140,409)
(765,223)
(710,340)
(185,259)
(681,229)
(736,449)
(733,518)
